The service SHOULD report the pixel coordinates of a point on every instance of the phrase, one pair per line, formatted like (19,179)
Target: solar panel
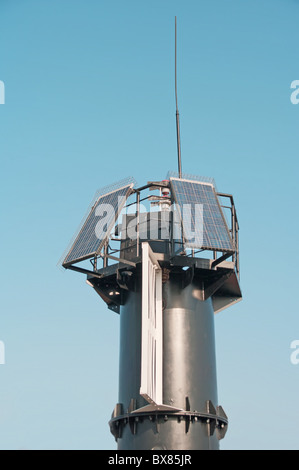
(97,226)
(204,224)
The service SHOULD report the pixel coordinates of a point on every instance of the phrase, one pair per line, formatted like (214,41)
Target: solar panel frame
(216,235)
(88,227)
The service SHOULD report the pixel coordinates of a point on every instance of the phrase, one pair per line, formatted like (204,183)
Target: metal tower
(164,257)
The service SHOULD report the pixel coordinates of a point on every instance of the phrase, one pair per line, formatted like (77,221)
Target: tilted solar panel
(204,224)
(97,227)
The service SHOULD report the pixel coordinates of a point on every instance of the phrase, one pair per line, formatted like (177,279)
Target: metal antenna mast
(177,110)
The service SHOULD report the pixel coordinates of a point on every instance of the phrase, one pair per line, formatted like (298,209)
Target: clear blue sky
(89,99)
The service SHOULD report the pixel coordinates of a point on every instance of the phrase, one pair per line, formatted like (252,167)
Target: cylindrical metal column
(130,350)
(189,363)
(189,371)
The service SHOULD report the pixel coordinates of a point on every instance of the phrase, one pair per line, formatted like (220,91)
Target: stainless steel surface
(189,348)
(189,371)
